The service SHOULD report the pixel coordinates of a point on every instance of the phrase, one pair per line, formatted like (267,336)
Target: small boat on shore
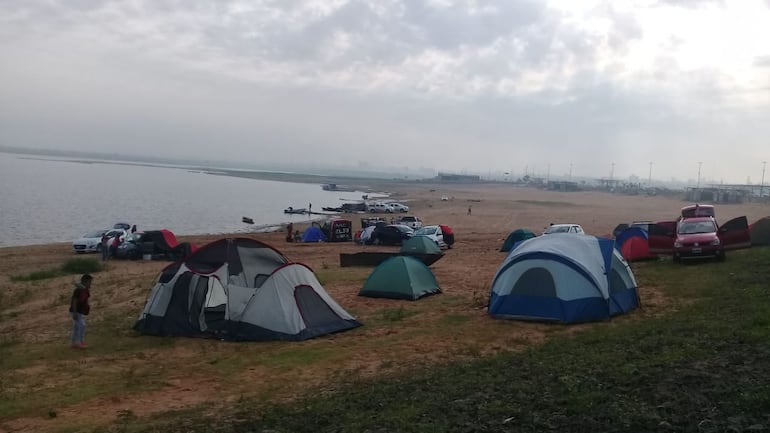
(294,210)
(248,220)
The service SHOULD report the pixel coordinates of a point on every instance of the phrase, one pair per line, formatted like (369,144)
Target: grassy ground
(701,368)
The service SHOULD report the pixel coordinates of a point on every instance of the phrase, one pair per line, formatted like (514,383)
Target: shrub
(81,265)
(37,275)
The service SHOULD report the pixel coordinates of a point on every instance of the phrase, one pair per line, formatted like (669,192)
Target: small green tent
(420,245)
(400,277)
(516,236)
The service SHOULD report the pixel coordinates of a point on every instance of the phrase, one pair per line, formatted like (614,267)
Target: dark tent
(241,289)
(163,243)
(400,277)
(760,232)
(517,235)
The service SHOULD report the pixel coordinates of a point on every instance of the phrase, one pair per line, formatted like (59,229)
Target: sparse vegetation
(81,265)
(76,265)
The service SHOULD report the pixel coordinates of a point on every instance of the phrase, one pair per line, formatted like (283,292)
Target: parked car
(434,233)
(380,208)
(91,242)
(393,234)
(699,237)
(564,228)
(398,207)
(411,221)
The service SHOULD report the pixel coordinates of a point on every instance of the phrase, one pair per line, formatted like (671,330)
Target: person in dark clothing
(133,228)
(79,309)
(105,247)
(114,246)
(289,232)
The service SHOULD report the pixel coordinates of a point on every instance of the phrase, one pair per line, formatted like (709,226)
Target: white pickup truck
(411,221)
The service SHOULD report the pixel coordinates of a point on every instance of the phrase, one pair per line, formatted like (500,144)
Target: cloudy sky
(604,87)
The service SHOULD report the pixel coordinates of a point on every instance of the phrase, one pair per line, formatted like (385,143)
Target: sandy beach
(34,314)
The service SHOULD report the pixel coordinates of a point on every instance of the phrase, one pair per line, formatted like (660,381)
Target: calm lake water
(57,200)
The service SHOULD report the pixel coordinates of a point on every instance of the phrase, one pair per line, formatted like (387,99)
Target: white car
(412,221)
(380,208)
(564,228)
(434,233)
(91,242)
(398,207)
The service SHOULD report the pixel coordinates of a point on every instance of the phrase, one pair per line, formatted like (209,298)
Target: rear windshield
(697,211)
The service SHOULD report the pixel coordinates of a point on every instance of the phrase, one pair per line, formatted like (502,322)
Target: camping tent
(164,242)
(241,289)
(760,232)
(420,245)
(366,234)
(400,277)
(563,277)
(516,236)
(632,244)
(313,234)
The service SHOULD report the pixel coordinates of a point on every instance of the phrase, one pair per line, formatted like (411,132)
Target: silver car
(574,229)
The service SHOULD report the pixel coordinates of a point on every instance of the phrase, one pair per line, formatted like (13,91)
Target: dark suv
(393,234)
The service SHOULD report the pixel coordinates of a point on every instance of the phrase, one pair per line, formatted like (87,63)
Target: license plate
(696,250)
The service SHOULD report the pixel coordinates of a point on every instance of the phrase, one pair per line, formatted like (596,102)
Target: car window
(94,234)
(691,227)
(426,231)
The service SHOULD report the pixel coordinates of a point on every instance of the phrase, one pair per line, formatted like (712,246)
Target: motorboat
(295,210)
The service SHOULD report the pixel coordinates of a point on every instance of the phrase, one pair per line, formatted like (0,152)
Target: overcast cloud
(474,86)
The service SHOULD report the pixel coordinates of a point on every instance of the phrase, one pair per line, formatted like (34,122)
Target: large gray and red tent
(241,289)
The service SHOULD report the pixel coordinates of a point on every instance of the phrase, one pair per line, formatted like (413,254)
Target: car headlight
(716,242)
(677,244)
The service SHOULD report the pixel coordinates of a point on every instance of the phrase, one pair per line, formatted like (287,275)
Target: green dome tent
(400,277)
(516,236)
(420,245)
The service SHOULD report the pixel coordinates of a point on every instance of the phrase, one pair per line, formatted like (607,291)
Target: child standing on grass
(79,309)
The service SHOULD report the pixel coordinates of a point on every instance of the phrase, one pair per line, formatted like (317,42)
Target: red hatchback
(698,237)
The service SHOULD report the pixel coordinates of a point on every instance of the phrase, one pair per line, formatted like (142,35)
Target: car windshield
(426,231)
(688,228)
(94,234)
(557,229)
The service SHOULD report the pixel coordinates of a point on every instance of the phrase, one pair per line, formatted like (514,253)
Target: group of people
(292,235)
(110,249)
